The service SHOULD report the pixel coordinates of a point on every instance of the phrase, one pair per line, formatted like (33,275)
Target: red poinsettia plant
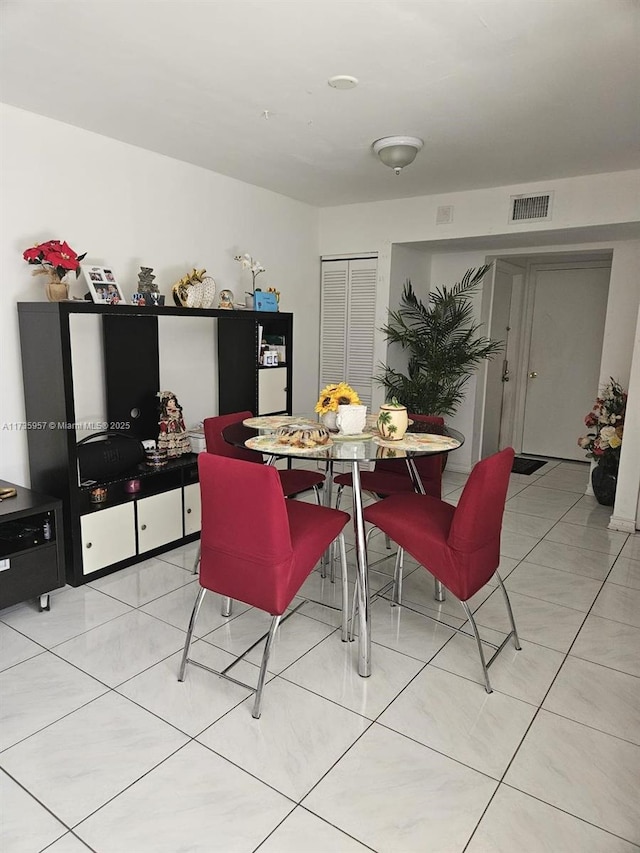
(54,257)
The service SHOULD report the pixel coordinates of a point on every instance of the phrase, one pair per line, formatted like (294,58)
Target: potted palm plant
(442,344)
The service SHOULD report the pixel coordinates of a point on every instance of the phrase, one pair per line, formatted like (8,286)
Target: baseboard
(625,525)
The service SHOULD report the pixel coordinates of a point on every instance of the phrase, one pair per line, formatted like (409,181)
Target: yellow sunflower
(334,395)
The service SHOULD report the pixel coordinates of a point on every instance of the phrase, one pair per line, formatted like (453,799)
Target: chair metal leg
(516,639)
(472,622)
(263,666)
(396,593)
(387,542)
(339,496)
(192,623)
(345,588)
(226,606)
(197,561)
(316,492)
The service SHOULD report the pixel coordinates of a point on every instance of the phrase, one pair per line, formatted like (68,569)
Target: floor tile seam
(593,728)
(244,770)
(25,636)
(318,817)
(76,837)
(129,785)
(334,630)
(101,625)
(196,636)
(142,604)
(532,514)
(624,586)
(11,666)
(554,488)
(120,683)
(33,796)
(564,811)
(599,663)
(553,681)
(615,554)
(289,680)
(549,601)
(415,740)
(481,685)
(568,572)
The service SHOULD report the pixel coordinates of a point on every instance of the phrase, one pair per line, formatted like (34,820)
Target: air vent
(528,208)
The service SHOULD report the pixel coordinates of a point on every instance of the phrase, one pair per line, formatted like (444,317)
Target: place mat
(420,441)
(268,444)
(276,421)
(359,436)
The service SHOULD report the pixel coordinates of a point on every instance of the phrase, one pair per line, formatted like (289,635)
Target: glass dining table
(354,451)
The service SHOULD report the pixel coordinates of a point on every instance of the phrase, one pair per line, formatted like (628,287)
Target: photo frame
(103,286)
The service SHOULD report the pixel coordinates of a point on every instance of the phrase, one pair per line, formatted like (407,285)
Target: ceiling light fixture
(343,81)
(397,151)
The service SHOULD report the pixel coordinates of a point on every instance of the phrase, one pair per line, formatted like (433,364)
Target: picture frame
(102,284)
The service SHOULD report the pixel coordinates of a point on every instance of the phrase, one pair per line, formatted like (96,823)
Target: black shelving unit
(130,337)
(31,552)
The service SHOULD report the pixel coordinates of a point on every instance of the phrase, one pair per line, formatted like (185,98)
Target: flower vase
(56,289)
(604,479)
(329,421)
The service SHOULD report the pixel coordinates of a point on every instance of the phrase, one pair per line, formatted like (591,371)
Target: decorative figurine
(225,299)
(173,435)
(146,283)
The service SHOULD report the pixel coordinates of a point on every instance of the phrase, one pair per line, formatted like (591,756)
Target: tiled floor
(102,749)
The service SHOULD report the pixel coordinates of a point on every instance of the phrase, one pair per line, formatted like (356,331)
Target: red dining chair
(266,568)
(460,545)
(294,481)
(390,476)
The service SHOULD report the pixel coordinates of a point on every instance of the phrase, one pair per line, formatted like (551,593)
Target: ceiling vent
(530,208)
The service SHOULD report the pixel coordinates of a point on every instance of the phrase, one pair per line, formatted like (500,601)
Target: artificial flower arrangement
(334,395)
(607,419)
(55,258)
(255,267)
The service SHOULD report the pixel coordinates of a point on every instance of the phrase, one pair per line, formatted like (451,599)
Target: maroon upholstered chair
(390,476)
(266,568)
(460,545)
(294,481)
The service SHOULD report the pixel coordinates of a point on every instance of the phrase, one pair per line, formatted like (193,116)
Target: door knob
(533,375)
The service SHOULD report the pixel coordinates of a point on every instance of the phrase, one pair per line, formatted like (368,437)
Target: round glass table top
(368,446)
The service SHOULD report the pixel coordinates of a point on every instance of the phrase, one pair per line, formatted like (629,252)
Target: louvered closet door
(361,324)
(347,327)
(333,322)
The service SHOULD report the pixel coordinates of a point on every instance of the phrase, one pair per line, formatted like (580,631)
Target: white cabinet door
(159,519)
(272,390)
(108,536)
(191,508)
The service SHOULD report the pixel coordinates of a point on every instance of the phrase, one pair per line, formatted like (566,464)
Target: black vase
(604,479)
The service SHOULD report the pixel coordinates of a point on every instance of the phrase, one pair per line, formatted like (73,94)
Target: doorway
(537,396)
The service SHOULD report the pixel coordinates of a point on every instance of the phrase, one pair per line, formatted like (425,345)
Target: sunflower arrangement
(334,395)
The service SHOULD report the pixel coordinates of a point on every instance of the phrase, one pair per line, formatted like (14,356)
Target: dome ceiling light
(397,151)
(343,81)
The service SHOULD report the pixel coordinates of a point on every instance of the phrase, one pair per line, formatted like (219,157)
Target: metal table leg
(439,592)
(326,501)
(364,613)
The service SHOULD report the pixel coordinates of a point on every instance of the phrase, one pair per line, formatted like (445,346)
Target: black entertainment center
(165,512)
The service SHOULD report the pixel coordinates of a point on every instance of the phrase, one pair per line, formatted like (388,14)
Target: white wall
(407,264)
(129,207)
(590,201)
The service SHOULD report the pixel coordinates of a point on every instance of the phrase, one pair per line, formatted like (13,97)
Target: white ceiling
(501,91)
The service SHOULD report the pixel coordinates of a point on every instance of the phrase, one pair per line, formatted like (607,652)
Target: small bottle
(47,529)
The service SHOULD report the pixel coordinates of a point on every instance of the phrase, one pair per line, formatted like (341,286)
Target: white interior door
(569,307)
